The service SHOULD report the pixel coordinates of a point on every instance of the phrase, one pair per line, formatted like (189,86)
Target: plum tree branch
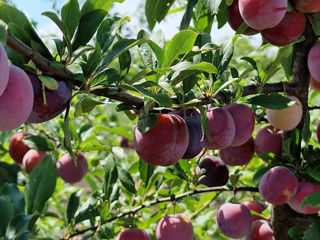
(300,79)
(122,96)
(162,200)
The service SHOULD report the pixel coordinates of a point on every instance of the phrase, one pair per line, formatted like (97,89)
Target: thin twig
(162,200)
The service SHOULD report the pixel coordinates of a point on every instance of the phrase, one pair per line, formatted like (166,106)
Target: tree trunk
(283,216)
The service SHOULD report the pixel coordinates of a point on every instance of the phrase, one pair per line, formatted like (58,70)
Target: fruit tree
(114,132)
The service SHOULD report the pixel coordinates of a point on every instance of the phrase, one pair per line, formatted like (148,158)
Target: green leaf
(54,17)
(17,226)
(70,15)
(6,214)
(10,14)
(8,173)
(110,176)
(222,14)
(181,43)
(85,105)
(185,22)
(126,180)
(315,21)
(17,198)
(252,62)
(295,232)
(41,185)
(119,47)
(161,98)
(3,34)
(145,51)
(313,232)
(107,31)
(146,122)
(39,143)
(105,5)
(125,44)
(67,135)
(146,171)
(88,25)
(212,5)
(94,60)
(283,53)
(306,132)
(227,53)
(177,170)
(313,200)
(156,10)
(73,205)
(271,101)
(49,82)
(203,67)
(125,62)
(106,78)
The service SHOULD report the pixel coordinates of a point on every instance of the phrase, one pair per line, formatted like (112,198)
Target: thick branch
(162,200)
(300,79)
(41,62)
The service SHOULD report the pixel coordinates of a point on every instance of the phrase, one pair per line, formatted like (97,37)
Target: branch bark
(300,79)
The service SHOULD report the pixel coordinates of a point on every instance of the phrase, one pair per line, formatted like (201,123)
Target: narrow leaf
(271,101)
(180,43)
(41,185)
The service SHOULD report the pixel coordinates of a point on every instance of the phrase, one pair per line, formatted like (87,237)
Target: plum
(262,14)
(260,230)
(68,171)
(288,118)
(164,144)
(305,188)
(17,149)
(16,101)
(255,206)
(196,143)
(133,234)
(244,120)
(315,85)
(307,6)
(56,100)
(278,185)
(32,159)
(238,156)
(289,29)
(217,173)
(177,227)
(313,62)
(234,220)
(235,20)
(221,127)
(4,70)
(268,140)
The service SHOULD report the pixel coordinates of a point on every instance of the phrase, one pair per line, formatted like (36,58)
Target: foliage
(121,190)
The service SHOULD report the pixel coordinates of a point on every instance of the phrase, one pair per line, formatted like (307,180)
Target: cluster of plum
(175,227)
(278,186)
(31,158)
(277,26)
(230,132)
(34,105)
(235,220)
